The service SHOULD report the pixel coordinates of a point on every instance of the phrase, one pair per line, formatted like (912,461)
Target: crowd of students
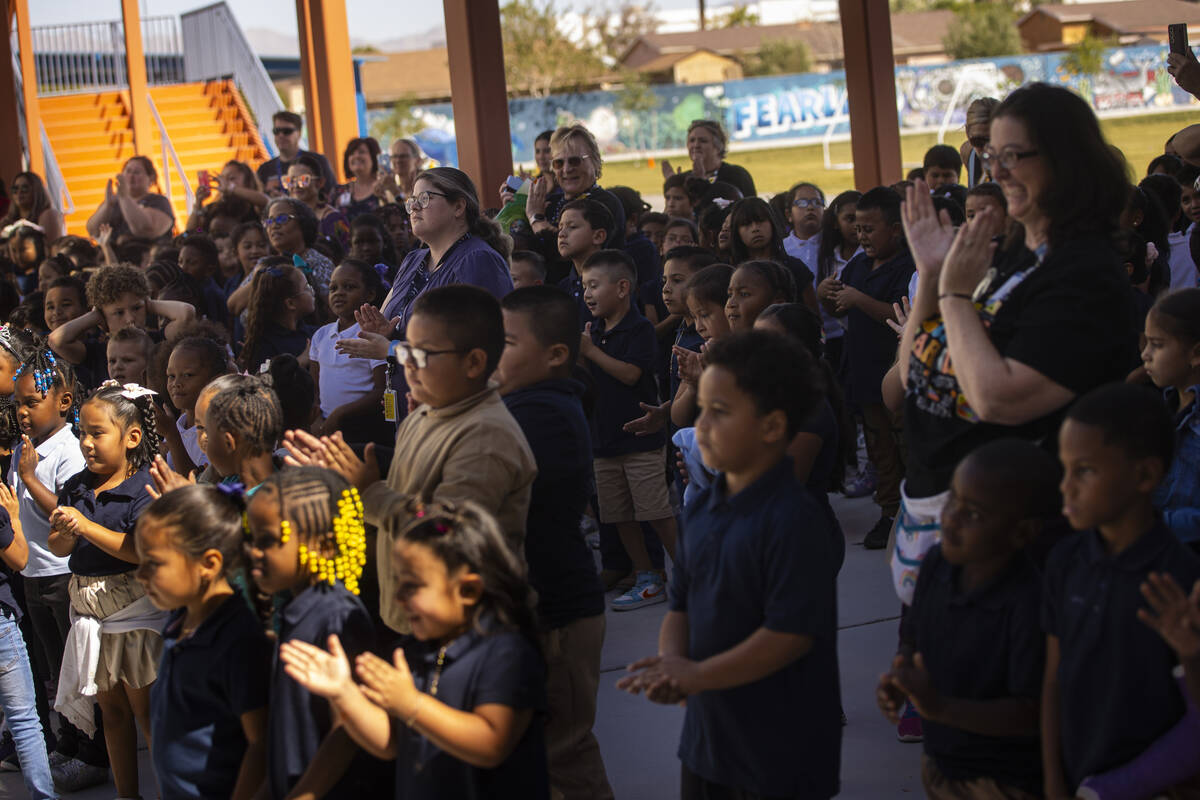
(309,494)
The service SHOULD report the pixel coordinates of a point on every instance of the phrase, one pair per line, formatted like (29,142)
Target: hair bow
(300,264)
(6,340)
(234,490)
(9,230)
(721,202)
(132,391)
(382,269)
(1151,253)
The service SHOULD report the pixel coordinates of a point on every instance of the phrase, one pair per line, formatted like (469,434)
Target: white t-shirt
(343,379)
(60,458)
(1183,268)
(803,249)
(191,443)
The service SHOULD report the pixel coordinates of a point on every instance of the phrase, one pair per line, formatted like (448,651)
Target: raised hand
(389,686)
(690,363)
(29,459)
(304,450)
(1184,68)
(110,196)
(901,310)
(536,202)
(929,232)
(166,479)
(651,422)
(1172,614)
(970,256)
(340,457)
(8,501)
(371,319)
(365,345)
(325,674)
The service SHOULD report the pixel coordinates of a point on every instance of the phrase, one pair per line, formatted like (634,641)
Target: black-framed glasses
(808,202)
(574,162)
(283,131)
(278,219)
(404,353)
(421,200)
(1006,158)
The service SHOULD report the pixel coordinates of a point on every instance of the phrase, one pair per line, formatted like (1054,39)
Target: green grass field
(1139,138)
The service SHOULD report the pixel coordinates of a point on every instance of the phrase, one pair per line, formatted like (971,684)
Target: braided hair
(466,535)
(269,291)
(128,412)
(247,407)
(49,373)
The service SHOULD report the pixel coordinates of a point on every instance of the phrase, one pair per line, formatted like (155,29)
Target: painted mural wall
(778,109)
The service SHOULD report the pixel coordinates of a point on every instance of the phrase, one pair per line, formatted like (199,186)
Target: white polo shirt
(343,379)
(60,458)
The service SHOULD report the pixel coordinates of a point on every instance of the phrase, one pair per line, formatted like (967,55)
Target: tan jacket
(472,450)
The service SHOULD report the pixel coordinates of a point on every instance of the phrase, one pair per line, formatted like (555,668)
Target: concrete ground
(639,739)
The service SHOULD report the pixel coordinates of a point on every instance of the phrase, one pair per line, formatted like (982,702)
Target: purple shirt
(471,261)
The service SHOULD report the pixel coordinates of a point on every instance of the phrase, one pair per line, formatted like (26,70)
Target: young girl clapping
(208,708)
(459,710)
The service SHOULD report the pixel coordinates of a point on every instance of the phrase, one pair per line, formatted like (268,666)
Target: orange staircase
(91,135)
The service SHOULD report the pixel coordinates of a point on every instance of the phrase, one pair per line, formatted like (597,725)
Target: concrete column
(139,87)
(328,72)
(871,84)
(479,93)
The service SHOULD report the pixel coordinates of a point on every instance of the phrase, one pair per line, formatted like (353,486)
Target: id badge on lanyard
(390,412)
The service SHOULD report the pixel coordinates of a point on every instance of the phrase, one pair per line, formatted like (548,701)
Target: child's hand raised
(8,501)
(1173,615)
(913,679)
(166,479)
(586,345)
(324,674)
(29,459)
(389,686)
(341,458)
(691,364)
(304,450)
(901,310)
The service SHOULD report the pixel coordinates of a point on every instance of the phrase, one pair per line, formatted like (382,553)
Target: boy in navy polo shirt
(583,229)
(751,637)
(631,482)
(541,343)
(972,653)
(1108,692)
(871,283)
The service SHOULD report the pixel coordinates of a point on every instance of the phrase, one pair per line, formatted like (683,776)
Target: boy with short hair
(129,352)
(871,283)
(64,302)
(1108,692)
(972,654)
(458,443)
(750,640)
(943,166)
(119,297)
(680,232)
(527,268)
(630,477)
(653,226)
(584,227)
(541,344)
(676,202)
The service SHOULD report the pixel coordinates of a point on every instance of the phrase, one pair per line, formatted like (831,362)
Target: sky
(375,20)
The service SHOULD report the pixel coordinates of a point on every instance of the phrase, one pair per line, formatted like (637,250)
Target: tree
(399,122)
(738,16)
(538,57)
(1084,61)
(614,32)
(778,57)
(365,49)
(982,30)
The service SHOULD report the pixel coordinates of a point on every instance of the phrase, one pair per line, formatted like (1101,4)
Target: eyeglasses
(404,353)
(296,181)
(979,142)
(1006,159)
(283,131)
(574,162)
(420,201)
(278,219)
(806,202)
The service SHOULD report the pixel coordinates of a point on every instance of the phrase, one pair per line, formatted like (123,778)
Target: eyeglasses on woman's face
(421,200)
(278,219)
(808,202)
(574,162)
(1008,158)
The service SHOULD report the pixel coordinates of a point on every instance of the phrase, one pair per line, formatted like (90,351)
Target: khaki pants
(572,679)
(939,787)
(885,448)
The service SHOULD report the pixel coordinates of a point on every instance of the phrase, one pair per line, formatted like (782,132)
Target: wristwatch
(537,218)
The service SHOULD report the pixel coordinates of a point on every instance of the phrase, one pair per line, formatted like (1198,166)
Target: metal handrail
(169,149)
(214,47)
(90,56)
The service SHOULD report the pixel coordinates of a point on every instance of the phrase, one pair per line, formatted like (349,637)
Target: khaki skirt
(130,658)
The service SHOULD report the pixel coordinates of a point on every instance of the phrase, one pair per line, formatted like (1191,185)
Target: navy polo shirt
(116,509)
(8,603)
(687,338)
(561,566)
(205,684)
(1117,694)
(631,340)
(761,559)
(276,340)
(645,258)
(573,285)
(982,645)
(480,668)
(870,344)
(300,720)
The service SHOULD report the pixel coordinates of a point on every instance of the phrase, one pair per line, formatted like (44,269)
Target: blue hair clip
(233,490)
(300,264)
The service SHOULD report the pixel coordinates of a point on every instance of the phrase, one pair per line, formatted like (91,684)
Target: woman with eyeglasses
(999,342)
(978,129)
(31,202)
(130,208)
(291,230)
(577,165)
(303,181)
(461,245)
(365,192)
(707,146)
